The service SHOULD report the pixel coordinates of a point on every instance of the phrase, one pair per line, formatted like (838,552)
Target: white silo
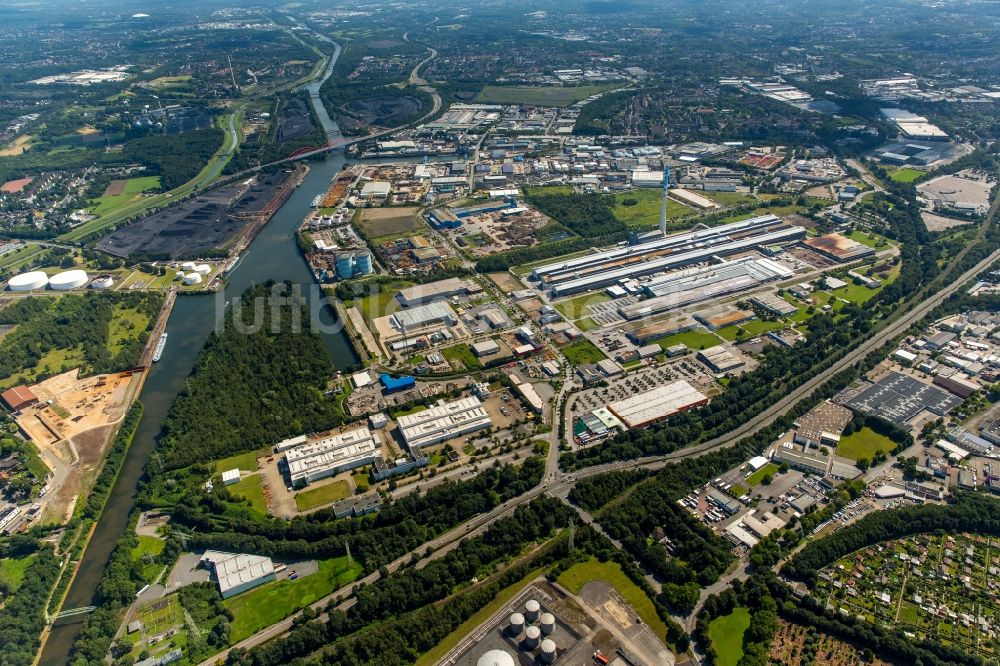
(28,281)
(516,625)
(532,637)
(547,623)
(192,278)
(203,269)
(531,610)
(68,280)
(496,658)
(102,282)
(548,650)
(188,266)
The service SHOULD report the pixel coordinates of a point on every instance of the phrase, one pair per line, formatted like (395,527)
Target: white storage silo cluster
(67,280)
(28,281)
(536,627)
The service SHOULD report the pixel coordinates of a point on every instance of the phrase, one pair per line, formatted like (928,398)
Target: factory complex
(443,421)
(602,269)
(237,572)
(695,285)
(648,407)
(310,461)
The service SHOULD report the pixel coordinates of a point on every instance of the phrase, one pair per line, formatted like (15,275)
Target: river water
(273,255)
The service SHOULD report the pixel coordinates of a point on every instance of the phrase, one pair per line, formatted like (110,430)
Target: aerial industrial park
(422,334)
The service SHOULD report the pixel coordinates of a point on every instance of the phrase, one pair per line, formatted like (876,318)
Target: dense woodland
(74,322)
(23,616)
(587,215)
(175,158)
(251,388)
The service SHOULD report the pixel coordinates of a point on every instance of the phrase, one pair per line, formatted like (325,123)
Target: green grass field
(123,327)
(16,260)
(382,303)
(573,308)
(578,575)
(13,570)
(751,329)
(728,198)
(583,352)
(863,444)
(148,546)
(269,603)
(361,480)
(251,488)
(540,95)
(906,175)
(695,339)
(105,205)
(757,476)
(646,213)
(726,634)
(320,495)
(461,353)
(246,462)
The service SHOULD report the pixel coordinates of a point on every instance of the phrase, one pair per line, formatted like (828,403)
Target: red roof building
(18,398)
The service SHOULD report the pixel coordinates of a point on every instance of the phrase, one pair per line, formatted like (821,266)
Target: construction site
(513,226)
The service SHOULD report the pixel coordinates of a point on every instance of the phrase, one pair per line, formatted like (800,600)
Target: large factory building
(648,407)
(318,459)
(443,421)
(601,269)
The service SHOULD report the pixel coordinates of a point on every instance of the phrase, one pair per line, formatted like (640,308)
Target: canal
(273,255)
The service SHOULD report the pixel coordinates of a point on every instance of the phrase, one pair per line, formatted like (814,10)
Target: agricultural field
(540,95)
(941,586)
(123,192)
(726,633)
(272,602)
(864,443)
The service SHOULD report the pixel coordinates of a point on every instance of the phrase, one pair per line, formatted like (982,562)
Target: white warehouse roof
(658,403)
(233,570)
(330,455)
(443,421)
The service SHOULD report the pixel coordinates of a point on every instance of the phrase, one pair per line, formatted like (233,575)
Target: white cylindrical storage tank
(192,278)
(187,266)
(532,637)
(68,280)
(203,269)
(496,658)
(548,623)
(531,610)
(179,276)
(102,282)
(548,650)
(516,625)
(28,281)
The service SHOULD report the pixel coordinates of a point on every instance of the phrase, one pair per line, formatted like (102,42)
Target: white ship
(159,348)
(317,200)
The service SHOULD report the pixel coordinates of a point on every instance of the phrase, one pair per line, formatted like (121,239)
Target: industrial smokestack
(663,207)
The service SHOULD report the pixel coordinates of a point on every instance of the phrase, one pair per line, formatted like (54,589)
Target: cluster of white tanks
(192,273)
(536,626)
(35,280)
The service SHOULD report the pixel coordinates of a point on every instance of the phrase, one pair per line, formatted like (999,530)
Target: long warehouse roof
(658,403)
(702,235)
(605,278)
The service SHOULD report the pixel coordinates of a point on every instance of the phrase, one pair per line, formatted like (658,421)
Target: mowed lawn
(726,634)
(320,495)
(906,175)
(759,475)
(863,444)
(272,602)
(246,462)
(251,488)
(692,339)
(578,575)
(106,204)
